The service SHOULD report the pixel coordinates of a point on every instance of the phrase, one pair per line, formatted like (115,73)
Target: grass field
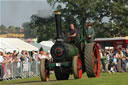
(104,79)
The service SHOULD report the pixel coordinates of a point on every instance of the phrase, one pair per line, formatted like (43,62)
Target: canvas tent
(17,44)
(47,43)
(38,45)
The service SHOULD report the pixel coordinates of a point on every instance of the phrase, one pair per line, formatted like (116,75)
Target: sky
(16,12)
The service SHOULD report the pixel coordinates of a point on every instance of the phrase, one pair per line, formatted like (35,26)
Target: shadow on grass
(28,82)
(39,81)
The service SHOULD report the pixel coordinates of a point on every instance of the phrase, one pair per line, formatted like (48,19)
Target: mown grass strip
(104,79)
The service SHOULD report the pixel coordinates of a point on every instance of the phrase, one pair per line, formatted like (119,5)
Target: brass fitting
(57,12)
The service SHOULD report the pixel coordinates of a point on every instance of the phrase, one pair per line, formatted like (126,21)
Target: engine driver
(72,33)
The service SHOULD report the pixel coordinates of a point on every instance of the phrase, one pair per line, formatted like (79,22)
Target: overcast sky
(15,12)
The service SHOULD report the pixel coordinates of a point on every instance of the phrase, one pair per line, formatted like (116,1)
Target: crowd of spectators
(114,60)
(25,57)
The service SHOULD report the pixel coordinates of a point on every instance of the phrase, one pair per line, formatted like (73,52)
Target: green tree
(82,11)
(11,29)
(28,31)
(119,10)
(45,27)
(17,29)
(3,29)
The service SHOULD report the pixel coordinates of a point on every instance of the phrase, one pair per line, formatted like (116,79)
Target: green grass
(104,79)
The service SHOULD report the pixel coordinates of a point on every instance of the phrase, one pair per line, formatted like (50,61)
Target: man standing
(126,60)
(119,56)
(90,32)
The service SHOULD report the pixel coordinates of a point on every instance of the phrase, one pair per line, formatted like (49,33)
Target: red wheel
(96,60)
(77,67)
(92,60)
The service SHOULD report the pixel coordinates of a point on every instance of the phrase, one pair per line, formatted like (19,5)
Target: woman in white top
(45,55)
(1,66)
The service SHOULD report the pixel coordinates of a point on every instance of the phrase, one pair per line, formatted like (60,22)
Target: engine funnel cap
(57,12)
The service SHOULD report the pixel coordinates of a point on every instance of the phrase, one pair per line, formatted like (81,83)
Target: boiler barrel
(64,50)
(72,50)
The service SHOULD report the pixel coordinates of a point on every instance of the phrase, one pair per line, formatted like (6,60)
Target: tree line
(108,17)
(80,12)
(10,29)
(25,29)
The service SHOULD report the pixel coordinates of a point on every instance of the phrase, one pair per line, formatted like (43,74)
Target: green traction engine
(71,58)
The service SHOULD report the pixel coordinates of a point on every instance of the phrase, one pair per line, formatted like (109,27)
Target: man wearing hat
(90,32)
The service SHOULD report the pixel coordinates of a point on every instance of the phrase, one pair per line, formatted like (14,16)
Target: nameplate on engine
(58,64)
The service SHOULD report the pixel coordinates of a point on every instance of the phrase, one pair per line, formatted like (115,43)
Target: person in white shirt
(1,67)
(47,56)
(34,56)
(1,57)
(44,54)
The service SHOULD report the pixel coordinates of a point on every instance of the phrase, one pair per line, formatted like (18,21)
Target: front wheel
(44,73)
(77,67)
(92,60)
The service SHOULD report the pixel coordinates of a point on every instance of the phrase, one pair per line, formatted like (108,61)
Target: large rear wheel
(92,60)
(44,73)
(77,67)
(61,75)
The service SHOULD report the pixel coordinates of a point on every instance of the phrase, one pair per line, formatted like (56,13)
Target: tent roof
(115,38)
(47,43)
(18,44)
(4,44)
(38,45)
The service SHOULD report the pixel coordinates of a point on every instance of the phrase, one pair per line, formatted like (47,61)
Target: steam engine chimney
(58,25)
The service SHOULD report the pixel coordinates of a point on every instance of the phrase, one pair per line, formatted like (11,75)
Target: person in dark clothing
(72,33)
